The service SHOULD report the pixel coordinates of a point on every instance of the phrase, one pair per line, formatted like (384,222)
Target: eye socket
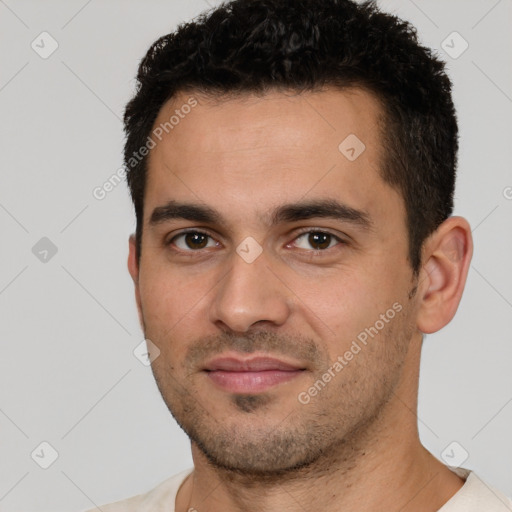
(312,241)
(192,241)
(318,240)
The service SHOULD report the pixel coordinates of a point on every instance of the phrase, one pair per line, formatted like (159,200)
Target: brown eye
(196,240)
(316,240)
(192,240)
(319,240)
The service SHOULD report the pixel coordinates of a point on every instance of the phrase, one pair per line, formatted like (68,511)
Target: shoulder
(476,495)
(162,497)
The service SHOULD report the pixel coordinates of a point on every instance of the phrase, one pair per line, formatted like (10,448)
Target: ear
(133,269)
(447,254)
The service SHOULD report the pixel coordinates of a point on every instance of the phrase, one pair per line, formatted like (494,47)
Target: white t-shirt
(474,496)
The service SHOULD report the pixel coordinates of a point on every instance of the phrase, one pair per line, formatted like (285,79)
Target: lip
(252,364)
(251,375)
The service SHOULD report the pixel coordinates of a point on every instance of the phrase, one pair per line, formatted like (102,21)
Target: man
(292,166)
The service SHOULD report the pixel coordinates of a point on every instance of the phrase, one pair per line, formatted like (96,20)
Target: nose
(250,293)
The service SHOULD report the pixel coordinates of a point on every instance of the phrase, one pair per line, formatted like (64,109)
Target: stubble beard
(334,429)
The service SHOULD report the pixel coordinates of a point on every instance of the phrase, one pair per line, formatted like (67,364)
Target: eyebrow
(291,212)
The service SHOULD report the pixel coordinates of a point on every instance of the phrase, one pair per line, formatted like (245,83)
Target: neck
(381,466)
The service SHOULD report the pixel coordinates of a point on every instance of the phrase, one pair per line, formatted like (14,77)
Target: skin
(355,445)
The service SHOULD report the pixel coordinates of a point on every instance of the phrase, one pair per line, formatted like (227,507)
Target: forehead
(309,120)
(260,151)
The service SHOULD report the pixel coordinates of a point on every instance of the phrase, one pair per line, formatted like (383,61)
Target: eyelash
(315,252)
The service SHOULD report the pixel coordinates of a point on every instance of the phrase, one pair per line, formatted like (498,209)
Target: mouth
(252,375)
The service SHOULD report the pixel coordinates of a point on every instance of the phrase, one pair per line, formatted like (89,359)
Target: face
(274,277)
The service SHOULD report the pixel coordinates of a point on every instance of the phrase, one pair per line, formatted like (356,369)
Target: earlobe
(448,254)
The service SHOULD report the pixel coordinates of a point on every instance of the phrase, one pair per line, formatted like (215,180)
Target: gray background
(69,324)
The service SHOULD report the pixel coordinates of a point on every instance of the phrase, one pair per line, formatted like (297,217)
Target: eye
(192,241)
(317,240)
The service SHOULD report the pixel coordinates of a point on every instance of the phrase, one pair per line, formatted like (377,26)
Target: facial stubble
(267,434)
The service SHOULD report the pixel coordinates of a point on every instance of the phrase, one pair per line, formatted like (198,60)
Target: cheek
(346,304)
(168,299)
